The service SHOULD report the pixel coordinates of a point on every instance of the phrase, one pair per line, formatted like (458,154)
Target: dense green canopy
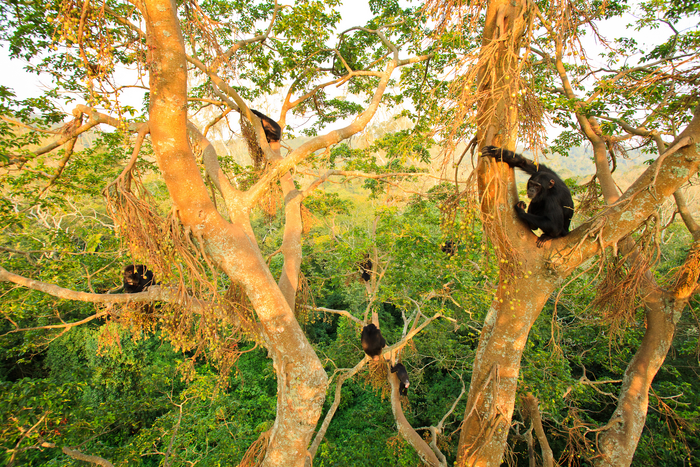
(380,177)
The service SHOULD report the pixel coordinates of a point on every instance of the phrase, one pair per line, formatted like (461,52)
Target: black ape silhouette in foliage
(137,278)
(366,269)
(273,132)
(372,341)
(551,206)
(402,374)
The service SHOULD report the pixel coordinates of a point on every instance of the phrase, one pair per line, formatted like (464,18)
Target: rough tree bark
(491,397)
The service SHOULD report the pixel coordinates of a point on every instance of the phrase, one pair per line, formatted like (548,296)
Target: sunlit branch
(216,120)
(237,104)
(145,129)
(125,22)
(686,215)
(387,352)
(94,119)
(344,376)
(424,451)
(347,314)
(64,325)
(154,293)
(70,146)
(207,101)
(288,104)
(306,149)
(237,46)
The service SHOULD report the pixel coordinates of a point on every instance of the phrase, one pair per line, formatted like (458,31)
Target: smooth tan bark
(618,441)
(491,397)
(301,379)
(406,431)
(496,368)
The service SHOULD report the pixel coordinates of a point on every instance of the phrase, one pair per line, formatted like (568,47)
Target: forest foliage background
(157,383)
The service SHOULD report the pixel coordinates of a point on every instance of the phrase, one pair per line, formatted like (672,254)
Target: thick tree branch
(154,293)
(344,376)
(424,451)
(86,457)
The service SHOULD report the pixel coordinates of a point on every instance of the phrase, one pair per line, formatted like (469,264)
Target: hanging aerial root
(590,203)
(686,278)
(256,153)
(180,262)
(256,452)
(304,305)
(376,376)
(618,291)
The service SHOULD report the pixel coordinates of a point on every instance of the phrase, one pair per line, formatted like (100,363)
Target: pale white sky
(353,13)
(27,84)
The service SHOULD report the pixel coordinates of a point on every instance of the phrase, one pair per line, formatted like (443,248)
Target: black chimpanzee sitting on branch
(365,269)
(372,341)
(551,206)
(137,278)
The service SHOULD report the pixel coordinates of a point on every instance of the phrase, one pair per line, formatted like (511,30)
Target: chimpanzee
(402,374)
(273,132)
(449,247)
(137,278)
(372,341)
(366,269)
(551,206)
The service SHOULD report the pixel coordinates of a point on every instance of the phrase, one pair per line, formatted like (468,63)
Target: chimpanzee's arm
(514,159)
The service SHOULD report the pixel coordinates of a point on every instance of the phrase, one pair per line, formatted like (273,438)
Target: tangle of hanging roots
(591,201)
(307,220)
(495,232)
(531,119)
(304,306)
(179,263)
(617,294)
(686,278)
(376,376)
(271,202)
(238,306)
(578,448)
(459,215)
(256,153)
(256,452)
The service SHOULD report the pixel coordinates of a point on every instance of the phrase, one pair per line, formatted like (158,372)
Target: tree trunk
(619,441)
(494,381)
(301,380)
